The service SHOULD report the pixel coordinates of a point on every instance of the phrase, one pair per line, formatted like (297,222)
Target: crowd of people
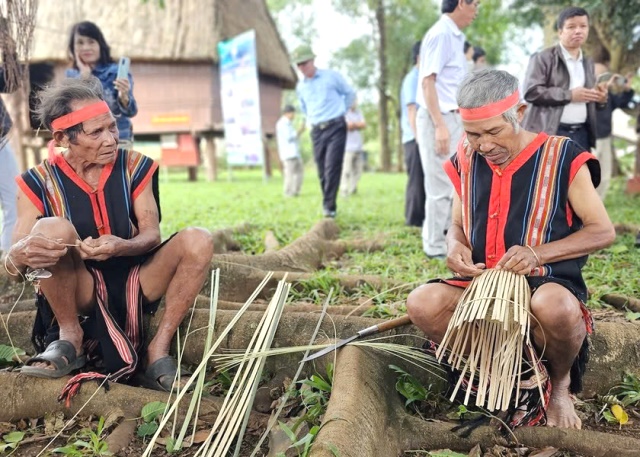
(469,135)
(481,156)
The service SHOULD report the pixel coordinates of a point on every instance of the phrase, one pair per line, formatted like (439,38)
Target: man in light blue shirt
(289,151)
(324,98)
(414,194)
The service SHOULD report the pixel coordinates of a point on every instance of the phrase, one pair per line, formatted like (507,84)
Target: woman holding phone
(91,55)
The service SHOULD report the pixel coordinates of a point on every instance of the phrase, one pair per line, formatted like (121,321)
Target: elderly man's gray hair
(55,101)
(480,88)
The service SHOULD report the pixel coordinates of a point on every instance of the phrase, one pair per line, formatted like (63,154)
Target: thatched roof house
(173,51)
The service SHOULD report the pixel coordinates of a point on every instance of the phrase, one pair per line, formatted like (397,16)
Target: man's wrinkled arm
(597,231)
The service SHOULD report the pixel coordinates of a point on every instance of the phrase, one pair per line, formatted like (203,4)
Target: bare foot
(560,412)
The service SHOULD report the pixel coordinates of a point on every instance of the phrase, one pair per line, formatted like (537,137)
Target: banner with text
(240,97)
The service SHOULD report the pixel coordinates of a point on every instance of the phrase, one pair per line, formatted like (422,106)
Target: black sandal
(61,355)
(161,374)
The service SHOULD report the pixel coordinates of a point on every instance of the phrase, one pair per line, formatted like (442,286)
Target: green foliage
(409,387)
(316,288)
(10,355)
(315,393)
(151,411)
(151,414)
(628,392)
(10,441)
(86,442)
(220,384)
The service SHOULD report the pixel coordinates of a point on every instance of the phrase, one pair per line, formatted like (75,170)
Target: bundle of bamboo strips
(486,336)
(234,413)
(197,378)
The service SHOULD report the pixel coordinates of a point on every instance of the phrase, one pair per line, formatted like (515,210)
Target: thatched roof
(184,30)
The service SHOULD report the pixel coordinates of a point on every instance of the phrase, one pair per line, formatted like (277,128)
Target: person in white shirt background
(289,151)
(353,151)
(441,69)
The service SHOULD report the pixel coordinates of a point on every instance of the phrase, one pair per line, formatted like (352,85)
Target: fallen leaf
(112,419)
(546,452)
(476,451)
(620,414)
(200,436)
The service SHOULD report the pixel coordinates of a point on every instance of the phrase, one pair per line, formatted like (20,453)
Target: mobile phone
(604,77)
(123,68)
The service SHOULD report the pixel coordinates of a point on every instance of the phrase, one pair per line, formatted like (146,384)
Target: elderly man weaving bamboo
(525,203)
(89,215)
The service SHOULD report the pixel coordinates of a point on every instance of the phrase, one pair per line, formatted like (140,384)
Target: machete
(388,325)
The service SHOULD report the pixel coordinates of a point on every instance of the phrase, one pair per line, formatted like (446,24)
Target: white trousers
(351,172)
(437,185)
(293,170)
(604,153)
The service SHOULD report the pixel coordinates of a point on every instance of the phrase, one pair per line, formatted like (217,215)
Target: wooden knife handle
(393,323)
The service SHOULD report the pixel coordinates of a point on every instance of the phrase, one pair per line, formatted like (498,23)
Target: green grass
(377,210)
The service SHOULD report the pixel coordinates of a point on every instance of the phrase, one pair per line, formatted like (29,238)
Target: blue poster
(240,97)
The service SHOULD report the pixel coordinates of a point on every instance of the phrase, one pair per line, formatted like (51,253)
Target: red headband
(81,115)
(490,110)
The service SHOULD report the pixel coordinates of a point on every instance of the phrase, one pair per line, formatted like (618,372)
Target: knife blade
(383,327)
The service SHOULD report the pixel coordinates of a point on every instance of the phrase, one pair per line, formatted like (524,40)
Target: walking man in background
(561,85)
(620,94)
(442,67)
(353,160)
(324,98)
(289,151)
(414,194)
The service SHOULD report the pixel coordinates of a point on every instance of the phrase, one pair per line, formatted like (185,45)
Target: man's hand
(459,261)
(442,140)
(102,248)
(37,251)
(584,95)
(602,91)
(518,259)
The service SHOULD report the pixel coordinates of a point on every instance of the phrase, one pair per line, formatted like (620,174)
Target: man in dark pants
(324,98)
(414,194)
(560,84)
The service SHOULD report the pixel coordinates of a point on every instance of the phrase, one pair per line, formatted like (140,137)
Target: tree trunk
(383,109)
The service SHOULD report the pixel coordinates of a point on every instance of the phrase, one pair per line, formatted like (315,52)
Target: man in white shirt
(289,152)
(353,151)
(560,84)
(441,69)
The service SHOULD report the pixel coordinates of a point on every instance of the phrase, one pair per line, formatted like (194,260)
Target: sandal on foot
(161,374)
(61,355)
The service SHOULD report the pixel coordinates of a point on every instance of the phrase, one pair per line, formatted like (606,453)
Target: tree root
(622,229)
(622,301)
(223,240)
(438,435)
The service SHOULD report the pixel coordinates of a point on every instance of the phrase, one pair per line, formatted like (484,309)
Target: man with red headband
(527,203)
(88,232)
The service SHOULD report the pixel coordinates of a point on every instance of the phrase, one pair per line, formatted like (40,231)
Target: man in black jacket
(560,84)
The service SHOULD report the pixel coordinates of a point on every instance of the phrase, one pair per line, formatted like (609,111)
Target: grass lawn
(377,210)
